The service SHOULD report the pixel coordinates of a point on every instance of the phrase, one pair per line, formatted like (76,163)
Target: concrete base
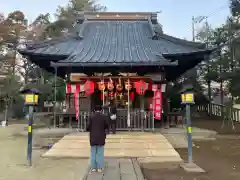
(192,168)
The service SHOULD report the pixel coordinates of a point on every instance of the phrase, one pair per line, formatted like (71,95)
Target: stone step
(115,145)
(85,153)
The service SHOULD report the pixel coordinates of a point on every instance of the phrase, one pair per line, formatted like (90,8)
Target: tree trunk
(26,73)
(6,113)
(221,83)
(42,77)
(221,96)
(209,96)
(221,93)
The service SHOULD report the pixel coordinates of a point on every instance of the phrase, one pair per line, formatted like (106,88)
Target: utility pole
(208,70)
(193,29)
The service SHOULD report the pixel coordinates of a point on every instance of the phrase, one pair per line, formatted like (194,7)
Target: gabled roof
(114,42)
(123,39)
(120,42)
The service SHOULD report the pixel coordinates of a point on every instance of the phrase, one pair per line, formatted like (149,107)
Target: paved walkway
(121,145)
(118,169)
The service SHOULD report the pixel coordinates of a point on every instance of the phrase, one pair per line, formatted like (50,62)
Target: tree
(232,55)
(11,29)
(9,89)
(235,8)
(205,34)
(67,15)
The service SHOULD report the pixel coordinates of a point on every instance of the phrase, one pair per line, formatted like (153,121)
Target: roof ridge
(151,28)
(182,41)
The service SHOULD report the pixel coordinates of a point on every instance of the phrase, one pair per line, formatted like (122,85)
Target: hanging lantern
(141,87)
(128,85)
(132,96)
(119,86)
(89,87)
(110,85)
(101,86)
(111,95)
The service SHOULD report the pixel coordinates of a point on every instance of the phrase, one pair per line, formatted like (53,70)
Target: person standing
(97,125)
(112,116)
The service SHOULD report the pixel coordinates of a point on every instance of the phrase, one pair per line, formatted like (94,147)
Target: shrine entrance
(138,101)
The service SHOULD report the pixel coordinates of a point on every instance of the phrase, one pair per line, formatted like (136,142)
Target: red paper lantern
(131,95)
(141,87)
(89,87)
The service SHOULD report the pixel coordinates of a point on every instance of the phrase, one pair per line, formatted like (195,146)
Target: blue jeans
(97,157)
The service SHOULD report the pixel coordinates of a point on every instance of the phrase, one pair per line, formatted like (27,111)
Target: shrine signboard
(157,102)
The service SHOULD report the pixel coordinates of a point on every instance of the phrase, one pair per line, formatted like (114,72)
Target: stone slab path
(118,169)
(121,145)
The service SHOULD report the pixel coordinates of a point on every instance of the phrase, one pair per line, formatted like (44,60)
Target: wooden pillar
(142,111)
(128,112)
(68,96)
(166,105)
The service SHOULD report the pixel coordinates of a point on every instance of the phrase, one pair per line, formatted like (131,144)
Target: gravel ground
(13,162)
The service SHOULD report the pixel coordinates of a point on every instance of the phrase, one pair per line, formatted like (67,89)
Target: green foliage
(235,7)
(18,107)
(67,15)
(60,91)
(10,86)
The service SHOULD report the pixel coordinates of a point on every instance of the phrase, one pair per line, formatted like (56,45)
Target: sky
(175,15)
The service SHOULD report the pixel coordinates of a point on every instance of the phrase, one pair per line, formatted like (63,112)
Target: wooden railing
(219,111)
(139,120)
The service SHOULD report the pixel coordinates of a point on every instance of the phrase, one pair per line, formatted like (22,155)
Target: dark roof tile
(115,41)
(122,41)
(60,47)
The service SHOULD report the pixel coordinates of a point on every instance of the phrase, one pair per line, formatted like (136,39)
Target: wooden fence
(219,111)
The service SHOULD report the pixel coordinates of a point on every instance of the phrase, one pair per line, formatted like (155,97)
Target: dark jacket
(113,109)
(97,126)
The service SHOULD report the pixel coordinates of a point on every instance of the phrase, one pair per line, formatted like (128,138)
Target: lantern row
(89,86)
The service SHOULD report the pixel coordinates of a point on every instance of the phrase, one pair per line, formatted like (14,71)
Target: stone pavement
(121,145)
(118,169)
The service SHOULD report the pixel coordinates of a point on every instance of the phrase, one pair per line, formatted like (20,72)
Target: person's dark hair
(112,102)
(98,108)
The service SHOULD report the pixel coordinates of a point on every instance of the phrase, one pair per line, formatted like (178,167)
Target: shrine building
(120,57)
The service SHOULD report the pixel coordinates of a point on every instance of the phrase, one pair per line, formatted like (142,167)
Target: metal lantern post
(188,99)
(31,97)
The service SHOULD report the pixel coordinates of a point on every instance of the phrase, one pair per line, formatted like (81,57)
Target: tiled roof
(114,42)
